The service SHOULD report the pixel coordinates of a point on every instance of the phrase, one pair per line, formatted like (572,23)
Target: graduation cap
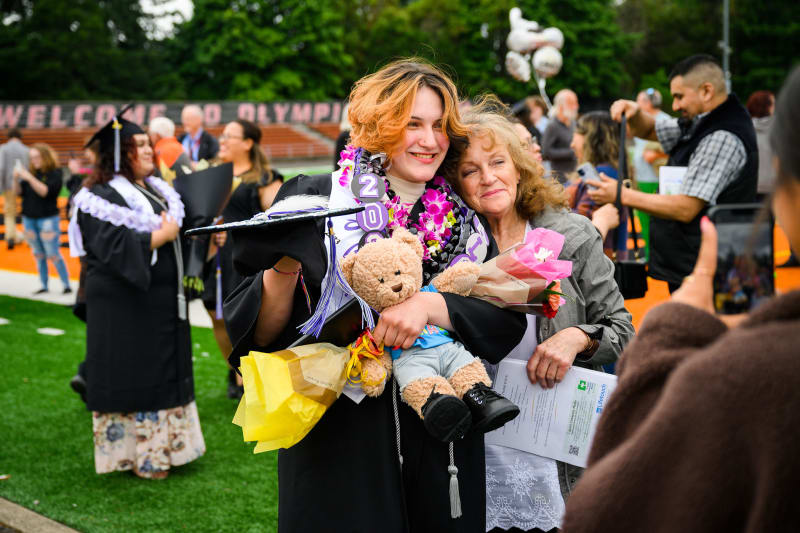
(204,194)
(258,243)
(110,135)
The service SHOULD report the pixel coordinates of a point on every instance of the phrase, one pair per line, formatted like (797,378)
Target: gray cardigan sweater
(595,304)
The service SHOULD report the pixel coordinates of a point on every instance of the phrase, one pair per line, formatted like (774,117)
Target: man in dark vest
(716,143)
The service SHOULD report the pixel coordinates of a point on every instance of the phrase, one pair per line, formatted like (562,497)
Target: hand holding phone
(587,172)
(697,288)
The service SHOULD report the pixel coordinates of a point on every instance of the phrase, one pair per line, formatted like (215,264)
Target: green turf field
(46,442)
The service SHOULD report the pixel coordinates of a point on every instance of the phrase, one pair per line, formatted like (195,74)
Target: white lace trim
(137,219)
(522,490)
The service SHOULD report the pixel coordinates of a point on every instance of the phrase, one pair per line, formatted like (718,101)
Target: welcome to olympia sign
(38,115)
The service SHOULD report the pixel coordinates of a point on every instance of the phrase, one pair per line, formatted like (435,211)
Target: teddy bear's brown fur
(389,271)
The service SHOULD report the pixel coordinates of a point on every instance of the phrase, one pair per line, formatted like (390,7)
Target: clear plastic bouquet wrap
(526,277)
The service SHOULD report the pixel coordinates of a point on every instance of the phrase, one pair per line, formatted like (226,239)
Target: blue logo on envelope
(601,399)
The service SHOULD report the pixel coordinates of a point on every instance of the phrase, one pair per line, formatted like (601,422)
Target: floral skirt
(147,442)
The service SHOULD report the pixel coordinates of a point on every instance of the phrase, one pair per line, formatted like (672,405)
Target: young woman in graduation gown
(371,466)
(138,349)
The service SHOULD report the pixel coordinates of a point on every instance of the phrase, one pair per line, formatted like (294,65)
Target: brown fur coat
(702,431)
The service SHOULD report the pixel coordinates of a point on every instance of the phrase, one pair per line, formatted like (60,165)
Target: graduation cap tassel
(333,277)
(117,127)
(219,289)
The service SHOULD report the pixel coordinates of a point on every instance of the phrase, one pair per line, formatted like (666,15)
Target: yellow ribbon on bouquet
(364,346)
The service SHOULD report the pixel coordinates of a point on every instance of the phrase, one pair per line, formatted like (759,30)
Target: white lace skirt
(522,490)
(148,442)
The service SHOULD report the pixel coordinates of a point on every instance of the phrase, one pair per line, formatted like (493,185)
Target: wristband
(299,269)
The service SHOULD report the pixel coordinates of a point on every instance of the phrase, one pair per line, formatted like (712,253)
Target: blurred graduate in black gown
(140,386)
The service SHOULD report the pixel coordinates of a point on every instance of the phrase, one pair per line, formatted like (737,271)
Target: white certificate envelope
(670,179)
(558,423)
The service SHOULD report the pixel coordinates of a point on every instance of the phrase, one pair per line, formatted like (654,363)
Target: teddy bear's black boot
(446,417)
(490,410)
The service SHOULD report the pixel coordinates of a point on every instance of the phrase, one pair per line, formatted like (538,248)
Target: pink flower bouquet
(526,277)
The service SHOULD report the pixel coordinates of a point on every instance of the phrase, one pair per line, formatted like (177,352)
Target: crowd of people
(678,430)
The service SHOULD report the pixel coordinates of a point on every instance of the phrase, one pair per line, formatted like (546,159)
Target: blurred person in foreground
(168,152)
(197,142)
(701,432)
(139,379)
(557,137)
(13,155)
(255,185)
(500,178)
(39,186)
(714,139)
(596,141)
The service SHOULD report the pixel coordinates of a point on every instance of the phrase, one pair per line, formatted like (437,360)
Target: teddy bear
(446,385)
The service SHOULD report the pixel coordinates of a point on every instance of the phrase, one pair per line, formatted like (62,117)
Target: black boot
(489,409)
(234,391)
(78,384)
(446,417)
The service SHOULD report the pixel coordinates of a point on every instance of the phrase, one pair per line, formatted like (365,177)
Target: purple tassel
(333,277)
(219,289)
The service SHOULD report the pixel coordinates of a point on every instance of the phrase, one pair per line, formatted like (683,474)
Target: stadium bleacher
(280,142)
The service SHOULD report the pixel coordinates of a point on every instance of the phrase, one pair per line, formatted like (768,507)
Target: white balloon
(553,37)
(518,66)
(519,23)
(525,35)
(547,61)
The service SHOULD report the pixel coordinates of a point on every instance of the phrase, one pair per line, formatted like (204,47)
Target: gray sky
(165,23)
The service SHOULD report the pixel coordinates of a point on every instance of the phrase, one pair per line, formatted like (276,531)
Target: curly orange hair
(380,104)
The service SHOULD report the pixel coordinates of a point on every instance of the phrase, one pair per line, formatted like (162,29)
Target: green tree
(765,37)
(75,49)
(264,50)
(468,38)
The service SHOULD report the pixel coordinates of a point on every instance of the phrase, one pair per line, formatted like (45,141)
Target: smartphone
(587,172)
(745,274)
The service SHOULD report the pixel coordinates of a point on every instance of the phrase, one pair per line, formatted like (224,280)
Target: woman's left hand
(401,324)
(554,357)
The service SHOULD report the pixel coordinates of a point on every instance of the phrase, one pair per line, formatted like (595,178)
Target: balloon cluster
(526,38)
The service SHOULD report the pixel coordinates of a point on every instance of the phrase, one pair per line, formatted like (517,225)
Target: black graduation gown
(345,475)
(243,204)
(138,353)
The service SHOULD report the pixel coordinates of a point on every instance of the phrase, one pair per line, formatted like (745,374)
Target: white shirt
(522,489)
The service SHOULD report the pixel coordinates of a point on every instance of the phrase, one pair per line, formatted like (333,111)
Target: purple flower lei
(433,226)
